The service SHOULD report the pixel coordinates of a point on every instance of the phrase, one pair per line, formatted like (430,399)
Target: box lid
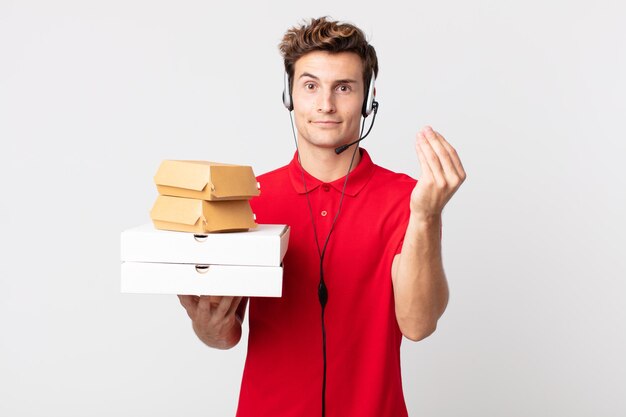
(206,180)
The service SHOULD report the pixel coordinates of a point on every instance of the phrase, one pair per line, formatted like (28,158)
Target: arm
(419,282)
(215,320)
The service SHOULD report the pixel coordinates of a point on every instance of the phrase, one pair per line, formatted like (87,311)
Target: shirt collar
(358,178)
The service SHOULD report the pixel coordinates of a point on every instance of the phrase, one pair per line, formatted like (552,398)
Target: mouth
(325,122)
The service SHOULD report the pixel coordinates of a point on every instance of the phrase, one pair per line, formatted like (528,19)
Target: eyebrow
(342,81)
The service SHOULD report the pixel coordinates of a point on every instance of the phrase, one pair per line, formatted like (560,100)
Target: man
(364,262)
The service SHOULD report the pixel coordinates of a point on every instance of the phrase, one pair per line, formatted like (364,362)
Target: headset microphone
(342,148)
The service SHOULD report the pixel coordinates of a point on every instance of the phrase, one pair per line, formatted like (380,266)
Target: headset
(369,105)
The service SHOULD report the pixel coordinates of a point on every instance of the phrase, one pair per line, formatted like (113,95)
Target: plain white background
(93,95)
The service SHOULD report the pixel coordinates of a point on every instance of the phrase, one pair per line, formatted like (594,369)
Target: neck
(324,164)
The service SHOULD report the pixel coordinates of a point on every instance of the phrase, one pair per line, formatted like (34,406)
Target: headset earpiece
(287,94)
(368,103)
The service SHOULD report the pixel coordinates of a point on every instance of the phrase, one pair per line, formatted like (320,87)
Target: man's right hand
(214,319)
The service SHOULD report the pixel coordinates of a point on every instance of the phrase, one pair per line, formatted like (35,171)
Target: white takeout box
(233,264)
(264,246)
(196,279)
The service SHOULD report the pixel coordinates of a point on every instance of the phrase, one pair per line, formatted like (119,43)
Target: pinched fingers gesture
(442,174)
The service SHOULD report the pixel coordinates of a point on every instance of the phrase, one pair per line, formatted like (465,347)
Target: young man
(364,262)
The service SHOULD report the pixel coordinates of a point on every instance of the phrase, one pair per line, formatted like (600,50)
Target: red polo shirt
(284,364)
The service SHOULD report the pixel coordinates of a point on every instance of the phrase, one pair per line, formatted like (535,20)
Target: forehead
(329,65)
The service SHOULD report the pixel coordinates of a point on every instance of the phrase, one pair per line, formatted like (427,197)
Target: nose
(326,102)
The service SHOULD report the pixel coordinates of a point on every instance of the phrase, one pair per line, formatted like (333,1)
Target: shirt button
(326,187)
(324,213)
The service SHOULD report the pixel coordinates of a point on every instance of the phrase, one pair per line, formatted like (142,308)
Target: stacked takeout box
(202,197)
(179,254)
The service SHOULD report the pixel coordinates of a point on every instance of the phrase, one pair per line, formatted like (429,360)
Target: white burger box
(231,264)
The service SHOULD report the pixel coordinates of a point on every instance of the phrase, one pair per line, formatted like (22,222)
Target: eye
(343,88)
(309,86)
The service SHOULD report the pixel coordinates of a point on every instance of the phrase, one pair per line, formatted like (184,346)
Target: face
(328,95)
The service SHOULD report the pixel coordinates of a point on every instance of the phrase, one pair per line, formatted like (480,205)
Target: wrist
(425,220)
(225,338)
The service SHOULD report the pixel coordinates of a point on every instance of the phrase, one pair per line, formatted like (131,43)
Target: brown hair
(331,36)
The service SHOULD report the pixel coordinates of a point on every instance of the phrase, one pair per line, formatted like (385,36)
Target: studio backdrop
(94,95)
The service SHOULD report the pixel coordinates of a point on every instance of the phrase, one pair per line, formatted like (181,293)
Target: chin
(329,140)
(324,142)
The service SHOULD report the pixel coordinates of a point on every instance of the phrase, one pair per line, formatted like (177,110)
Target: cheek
(353,116)
(303,109)
(354,108)
(304,101)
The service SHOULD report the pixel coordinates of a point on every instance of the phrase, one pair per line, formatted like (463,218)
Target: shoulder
(270,180)
(275,190)
(278,172)
(385,180)
(394,176)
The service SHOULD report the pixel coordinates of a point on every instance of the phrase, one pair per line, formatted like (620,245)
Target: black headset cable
(322,290)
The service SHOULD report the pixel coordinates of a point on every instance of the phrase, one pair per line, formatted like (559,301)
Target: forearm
(419,281)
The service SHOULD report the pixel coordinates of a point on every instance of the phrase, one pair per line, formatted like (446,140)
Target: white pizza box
(197,279)
(264,246)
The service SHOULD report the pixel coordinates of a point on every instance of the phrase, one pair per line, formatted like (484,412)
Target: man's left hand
(442,174)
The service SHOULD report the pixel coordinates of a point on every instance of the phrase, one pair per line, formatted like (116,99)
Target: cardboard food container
(205,180)
(199,279)
(201,216)
(232,264)
(264,246)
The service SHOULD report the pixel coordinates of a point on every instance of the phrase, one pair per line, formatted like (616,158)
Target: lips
(325,122)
